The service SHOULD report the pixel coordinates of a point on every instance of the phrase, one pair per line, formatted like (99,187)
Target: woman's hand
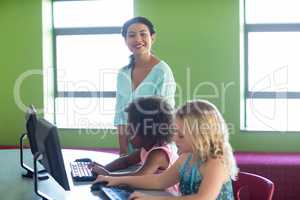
(140,196)
(111,181)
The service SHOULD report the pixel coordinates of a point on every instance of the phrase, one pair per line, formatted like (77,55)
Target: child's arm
(118,164)
(154,181)
(124,162)
(214,175)
(157,159)
(142,196)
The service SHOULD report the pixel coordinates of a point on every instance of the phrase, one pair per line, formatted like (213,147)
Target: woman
(145,75)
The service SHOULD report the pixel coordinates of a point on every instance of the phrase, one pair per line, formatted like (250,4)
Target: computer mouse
(97,186)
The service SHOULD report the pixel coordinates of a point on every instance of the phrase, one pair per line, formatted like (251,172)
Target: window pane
(92,13)
(90,62)
(85,112)
(273,114)
(94,79)
(272,11)
(274,62)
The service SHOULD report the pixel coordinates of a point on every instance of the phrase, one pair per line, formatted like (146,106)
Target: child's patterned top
(190,180)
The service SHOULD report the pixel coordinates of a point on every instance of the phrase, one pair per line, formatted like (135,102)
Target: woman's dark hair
(151,119)
(141,20)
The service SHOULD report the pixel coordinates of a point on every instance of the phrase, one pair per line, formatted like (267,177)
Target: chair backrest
(252,187)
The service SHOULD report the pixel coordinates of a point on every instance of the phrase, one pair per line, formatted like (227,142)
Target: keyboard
(117,193)
(81,172)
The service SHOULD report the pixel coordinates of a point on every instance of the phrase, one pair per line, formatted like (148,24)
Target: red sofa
(283,169)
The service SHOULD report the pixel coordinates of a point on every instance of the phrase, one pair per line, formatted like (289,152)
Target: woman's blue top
(159,82)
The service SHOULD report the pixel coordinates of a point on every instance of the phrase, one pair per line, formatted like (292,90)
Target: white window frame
(247,93)
(79,31)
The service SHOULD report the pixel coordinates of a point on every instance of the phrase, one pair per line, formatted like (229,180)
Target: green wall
(198,38)
(20,52)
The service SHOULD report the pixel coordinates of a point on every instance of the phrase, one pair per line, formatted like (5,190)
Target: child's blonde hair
(209,132)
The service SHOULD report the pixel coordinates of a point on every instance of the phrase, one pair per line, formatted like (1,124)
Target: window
(89,51)
(272,65)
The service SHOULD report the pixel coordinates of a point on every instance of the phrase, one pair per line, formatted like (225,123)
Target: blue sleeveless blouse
(191,178)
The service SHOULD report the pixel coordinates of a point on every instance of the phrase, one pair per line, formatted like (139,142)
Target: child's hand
(99,170)
(111,181)
(92,164)
(140,196)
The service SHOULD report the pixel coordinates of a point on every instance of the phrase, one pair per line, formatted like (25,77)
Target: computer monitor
(49,146)
(31,120)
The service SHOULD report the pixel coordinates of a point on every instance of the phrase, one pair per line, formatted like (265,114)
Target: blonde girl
(206,164)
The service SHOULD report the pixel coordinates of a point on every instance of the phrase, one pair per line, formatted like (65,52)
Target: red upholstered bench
(283,169)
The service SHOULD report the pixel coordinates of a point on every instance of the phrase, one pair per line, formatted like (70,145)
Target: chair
(252,187)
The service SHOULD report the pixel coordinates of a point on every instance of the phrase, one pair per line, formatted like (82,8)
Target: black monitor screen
(49,146)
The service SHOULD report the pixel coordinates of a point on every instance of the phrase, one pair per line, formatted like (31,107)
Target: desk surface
(14,187)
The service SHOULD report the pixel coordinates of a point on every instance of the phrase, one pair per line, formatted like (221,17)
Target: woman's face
(138,39)
(182,138)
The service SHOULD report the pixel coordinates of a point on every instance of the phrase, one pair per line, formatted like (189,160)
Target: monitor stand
(29,171)
(37,157)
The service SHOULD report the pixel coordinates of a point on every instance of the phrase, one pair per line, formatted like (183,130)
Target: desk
(14,187)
